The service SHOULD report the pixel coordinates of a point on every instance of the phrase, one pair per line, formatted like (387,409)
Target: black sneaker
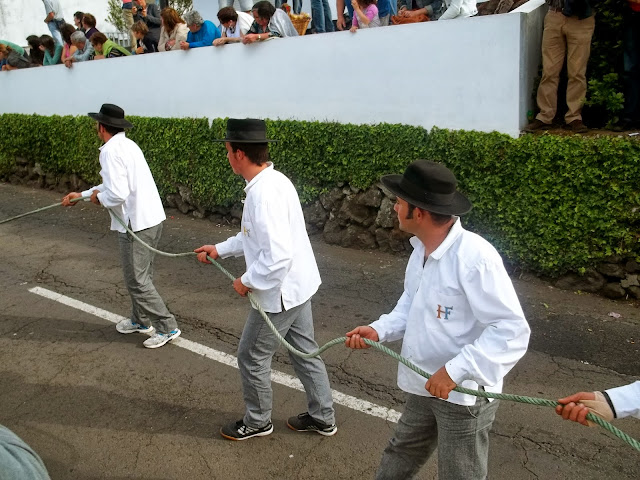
(306,423)
(239,431)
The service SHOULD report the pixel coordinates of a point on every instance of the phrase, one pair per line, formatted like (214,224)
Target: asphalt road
(95,404)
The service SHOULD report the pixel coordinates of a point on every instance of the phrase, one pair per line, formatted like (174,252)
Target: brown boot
(537,126)
(577,127)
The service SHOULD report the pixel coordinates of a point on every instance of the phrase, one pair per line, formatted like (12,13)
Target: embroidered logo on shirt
(246,232)
(446,311)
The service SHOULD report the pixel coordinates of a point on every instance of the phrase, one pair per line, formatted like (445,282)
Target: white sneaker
(159,339)
(129,326)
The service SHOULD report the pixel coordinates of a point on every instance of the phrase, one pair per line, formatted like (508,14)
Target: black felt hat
(111,115)
(247,130)
(430,186)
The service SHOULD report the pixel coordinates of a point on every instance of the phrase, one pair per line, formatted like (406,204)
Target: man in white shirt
(129,191)
(233,26)
(54,19)
(619,402)
(460,320)
(283,276)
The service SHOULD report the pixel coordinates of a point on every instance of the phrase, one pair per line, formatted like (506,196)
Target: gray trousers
(148,308)
(461,434)
(255,351)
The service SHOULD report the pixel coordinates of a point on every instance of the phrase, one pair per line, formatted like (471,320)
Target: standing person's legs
(137,265)
(127,16)
(553,54)
(55,32)
(463,439)
(328,21)
(317,15)
(297,6)
(413,441)
(578,34)
(255,351)
(245,5)
(312,372)
(631,76)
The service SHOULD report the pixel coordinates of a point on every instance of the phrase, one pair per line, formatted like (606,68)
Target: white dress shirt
(127,185)
(626,400)
(281,267)
(459,310)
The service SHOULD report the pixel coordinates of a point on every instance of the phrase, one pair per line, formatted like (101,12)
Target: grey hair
(193,17)
(78,37)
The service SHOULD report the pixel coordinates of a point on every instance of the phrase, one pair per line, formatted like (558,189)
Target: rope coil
(478,393)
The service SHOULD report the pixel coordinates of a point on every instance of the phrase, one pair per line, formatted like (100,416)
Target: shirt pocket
(449,314)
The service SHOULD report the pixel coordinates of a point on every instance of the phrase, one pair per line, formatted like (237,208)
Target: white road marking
(226,359)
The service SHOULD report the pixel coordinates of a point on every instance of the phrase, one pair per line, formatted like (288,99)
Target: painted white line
(226,359)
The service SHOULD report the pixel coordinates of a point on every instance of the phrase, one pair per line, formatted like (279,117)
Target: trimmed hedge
(549,204)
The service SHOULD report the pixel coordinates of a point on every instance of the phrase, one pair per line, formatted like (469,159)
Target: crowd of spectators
(156,27)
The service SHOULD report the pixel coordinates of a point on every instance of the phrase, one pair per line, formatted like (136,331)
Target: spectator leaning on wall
(234,26)
(202,32)
(568,27)
(84,49)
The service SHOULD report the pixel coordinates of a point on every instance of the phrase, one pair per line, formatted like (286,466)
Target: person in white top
(283,276)
(129,191)
(233,25)
(619,402)
(459,319)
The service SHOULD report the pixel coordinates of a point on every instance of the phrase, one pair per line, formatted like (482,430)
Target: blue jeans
(255,351)
(460,433)
(631,76)
(55,32)
(321,16)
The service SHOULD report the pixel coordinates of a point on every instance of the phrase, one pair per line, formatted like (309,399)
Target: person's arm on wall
(453,11)
(340,23)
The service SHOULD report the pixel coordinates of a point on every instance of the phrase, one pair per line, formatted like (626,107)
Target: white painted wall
(21,18)
(472,74)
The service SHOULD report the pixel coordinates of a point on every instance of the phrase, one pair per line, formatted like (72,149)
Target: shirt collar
(119,134)
(452,236)
(257,178)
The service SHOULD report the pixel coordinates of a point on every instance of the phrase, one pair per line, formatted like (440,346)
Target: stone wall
(351,218)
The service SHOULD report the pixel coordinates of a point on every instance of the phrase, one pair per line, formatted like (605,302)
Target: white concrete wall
(462,74)
(21,18)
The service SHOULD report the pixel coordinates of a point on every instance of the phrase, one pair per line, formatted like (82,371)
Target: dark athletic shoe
(306,423)
(239,431)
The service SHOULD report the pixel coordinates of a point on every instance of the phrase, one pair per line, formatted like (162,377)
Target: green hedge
(549,204)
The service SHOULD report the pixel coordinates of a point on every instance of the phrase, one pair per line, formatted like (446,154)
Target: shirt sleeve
(505,338)
(626,400)
(114,182)
(87,193)
(84,56)
(153,15)
(453,11)
(232,247)
(211,32)
(275,244)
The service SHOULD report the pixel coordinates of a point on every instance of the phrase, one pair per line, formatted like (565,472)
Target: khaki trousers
(127,16)
(570,37)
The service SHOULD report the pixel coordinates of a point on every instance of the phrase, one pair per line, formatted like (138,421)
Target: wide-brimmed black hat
(247,130)
(430,186)
(111,115)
